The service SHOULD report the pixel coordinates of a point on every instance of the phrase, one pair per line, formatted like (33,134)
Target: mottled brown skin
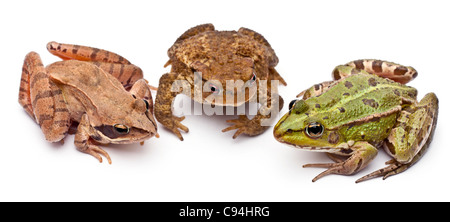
(221,56)
(79,96)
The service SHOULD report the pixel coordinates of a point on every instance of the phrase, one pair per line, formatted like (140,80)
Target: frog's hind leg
(273,59)
(43,100)
(24,90)
(390,70)
(410,138)
(84,53)
(187,34)
(110,62)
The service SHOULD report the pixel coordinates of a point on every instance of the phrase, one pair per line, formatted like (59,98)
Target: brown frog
(86,94)
(212,59)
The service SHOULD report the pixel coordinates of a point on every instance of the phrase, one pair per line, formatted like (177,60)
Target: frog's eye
(314,130)
(121,129)
(291,104)
(253,79)
(214,89)
(146,104)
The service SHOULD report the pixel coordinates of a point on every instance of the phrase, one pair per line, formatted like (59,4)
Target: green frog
(366,107)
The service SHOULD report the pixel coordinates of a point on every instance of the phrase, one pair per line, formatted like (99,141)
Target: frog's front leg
(253,127)
(83,141)
(410,138)
(362,153)
(163,105)
(43,100)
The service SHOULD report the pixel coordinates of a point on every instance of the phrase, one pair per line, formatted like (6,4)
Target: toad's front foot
(245,126)
(174,125)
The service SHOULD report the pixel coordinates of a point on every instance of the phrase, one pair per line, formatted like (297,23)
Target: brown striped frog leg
(366,107)
(79,91)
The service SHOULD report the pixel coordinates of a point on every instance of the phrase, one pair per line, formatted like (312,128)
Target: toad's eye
(314,130)
(253,79)
(291,104)
(214,89)
(121,129)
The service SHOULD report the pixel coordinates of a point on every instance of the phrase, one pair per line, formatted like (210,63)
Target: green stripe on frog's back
(359,98)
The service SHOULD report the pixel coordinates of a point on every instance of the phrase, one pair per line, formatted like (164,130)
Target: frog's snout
(279,129)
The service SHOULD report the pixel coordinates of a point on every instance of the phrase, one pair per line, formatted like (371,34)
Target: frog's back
(83,75)
(86,87)
(359,97)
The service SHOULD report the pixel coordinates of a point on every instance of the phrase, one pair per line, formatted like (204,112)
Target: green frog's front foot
(361,155)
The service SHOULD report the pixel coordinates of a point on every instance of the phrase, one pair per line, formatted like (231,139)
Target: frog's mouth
(106,134)
(342,149)
(131,140)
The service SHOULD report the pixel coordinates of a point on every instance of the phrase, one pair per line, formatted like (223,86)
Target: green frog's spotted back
(366,107)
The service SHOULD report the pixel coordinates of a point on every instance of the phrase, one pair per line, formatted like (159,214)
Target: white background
(309,37)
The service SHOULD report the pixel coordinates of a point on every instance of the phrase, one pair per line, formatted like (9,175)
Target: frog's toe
(174,125)
(333,168)
(393,168)
(177,123)
(240,124)
(95,151)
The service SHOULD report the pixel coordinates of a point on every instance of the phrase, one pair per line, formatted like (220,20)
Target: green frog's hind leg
(410,138)
(109,62)
(390,70)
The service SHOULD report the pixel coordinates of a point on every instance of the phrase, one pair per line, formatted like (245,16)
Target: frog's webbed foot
(393,168)
(333,168)
(84,143)
(174,125)
(91,149)
(246,126)
(362,154)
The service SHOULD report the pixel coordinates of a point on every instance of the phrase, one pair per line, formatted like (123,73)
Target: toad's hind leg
(390,70)
(410,138)
(187,34)
(272,57)
(43,100)
(110,62)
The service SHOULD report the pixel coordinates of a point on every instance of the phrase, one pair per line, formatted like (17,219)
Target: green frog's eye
(291,104)
(314,130)
(121,129)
